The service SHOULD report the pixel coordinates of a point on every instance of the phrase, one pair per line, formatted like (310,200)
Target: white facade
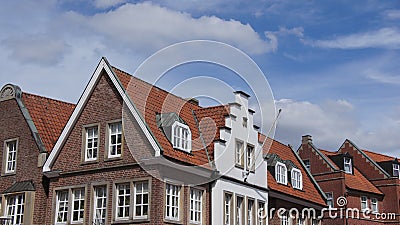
(238,178)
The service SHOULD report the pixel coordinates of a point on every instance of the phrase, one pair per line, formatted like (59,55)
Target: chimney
(306,139)
(193,101)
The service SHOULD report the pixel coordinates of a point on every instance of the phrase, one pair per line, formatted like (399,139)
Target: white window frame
(396,169)
(118,136)
(239,153)
(123,190)
(297,179)
(307,164)
(100,211)
(11,156)
(261,213)
(364,203)
(374,205)
(144,193)
(285,219)
(239,210)
(196,206)
(92,139)
(181,137)
(250,212)
(300,220)
(15,205)
(172,202)
(281,173)
(329,199)
(62,203)
(347,162)
(78,195)
(250,157)
(228,213)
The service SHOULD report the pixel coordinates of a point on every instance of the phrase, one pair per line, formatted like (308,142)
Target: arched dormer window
(281,173)
(181,137)
(297,179)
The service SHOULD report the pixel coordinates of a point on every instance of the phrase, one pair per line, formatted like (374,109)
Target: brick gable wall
(13,125)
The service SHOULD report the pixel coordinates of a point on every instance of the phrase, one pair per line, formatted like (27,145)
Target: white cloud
(147,27)
(382,77)
(388,38)
(333,122)
(392,14)
(38,49)
(104,4)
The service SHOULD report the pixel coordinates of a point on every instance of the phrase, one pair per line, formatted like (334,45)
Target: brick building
(133,153)
(291,188)
(354,183)
(30,126)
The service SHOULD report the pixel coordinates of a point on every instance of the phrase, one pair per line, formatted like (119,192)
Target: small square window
(182,137)
(364,203)
(297,179)
(329,199)
(244,122)
(374,205)
(281,173)
(396,170)
(307,164)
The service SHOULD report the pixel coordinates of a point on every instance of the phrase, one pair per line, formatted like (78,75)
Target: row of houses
(131,153)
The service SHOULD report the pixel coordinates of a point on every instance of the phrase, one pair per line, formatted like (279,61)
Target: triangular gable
(102,66)
(323,156)
(366,156)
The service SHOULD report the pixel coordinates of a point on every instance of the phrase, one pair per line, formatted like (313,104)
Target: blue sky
(332,65)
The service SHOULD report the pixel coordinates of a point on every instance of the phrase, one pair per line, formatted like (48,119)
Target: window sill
(130,221)
(113,159)
(8,174)
(173,221)
(89,162)
(239,166)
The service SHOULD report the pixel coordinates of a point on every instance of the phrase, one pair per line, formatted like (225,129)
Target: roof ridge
(369,151)
(152,85)
(48,98)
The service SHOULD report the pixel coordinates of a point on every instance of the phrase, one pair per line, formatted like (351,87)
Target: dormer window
(396,170)
(182,137)
(348,166)
(297,179)
(281,173)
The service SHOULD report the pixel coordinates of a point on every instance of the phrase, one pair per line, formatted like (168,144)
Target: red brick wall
(362,163)
(317,164)
(13,125)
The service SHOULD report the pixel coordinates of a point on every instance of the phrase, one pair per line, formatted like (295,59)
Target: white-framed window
(329,199)
(228,215)
(196,206)
(244,122)
(281,173)
(364,203)
(92,143)
(396,170)
(374,205)
(285,219)
(100,205)
(239,211)
(299,221)
(15,208)
(172,195)
(250,212)
(314,222)
(62,207)
(123,201)
(11,156)
(297,179)
(141,200)
(348,167)
(239,151)
(261,213)
(181,137)
(114,139)
(307,164)
(250,160)
(78,205)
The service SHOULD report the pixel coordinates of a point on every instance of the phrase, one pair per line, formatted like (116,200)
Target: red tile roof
(151,100)
(377,157)
(48,115)
(356,181)
(309,192)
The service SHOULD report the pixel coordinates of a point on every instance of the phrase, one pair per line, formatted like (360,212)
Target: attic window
(297,179)
(348,167)
(281,173)
(182,137)
(396,170)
